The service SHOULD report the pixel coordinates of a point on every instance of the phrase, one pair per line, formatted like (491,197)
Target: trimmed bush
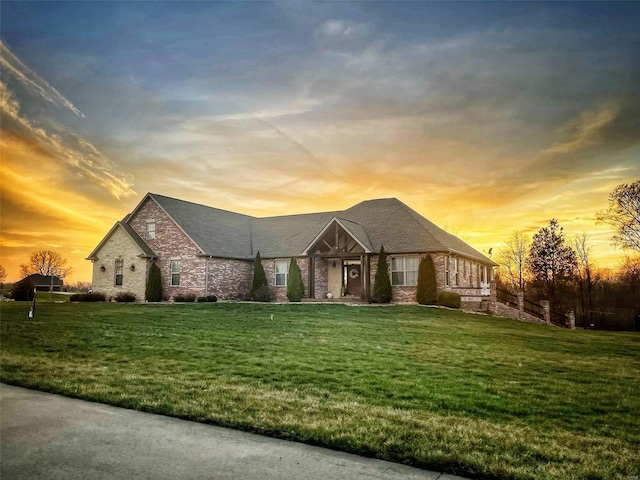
(449,299)
(189,297)
(427,291)
(382,292)
(260,291)
(207,298)
(125,297)
(153,291)
(22,291)
(88,297)
(295,287)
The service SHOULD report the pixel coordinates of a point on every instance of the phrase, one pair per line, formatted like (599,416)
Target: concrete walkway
(45,436)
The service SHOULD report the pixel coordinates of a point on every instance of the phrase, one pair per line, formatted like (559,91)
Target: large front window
(176,268)
(119,269)
(404,271)
(282,272)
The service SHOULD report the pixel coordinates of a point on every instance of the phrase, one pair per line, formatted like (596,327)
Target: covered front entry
(339,265)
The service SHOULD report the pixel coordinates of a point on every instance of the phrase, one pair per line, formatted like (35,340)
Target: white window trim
(150,235)
(456,264)
(447,274)
(117,261)
(285,273)
(172,272)
(404,270)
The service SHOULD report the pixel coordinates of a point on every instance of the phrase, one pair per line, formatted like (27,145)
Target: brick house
(207,251)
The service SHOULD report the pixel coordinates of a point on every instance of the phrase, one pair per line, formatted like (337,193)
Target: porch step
(334,300)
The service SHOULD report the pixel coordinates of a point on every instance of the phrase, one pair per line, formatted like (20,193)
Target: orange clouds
(40,211)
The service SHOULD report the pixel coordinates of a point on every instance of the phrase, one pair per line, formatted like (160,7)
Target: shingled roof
(387,221)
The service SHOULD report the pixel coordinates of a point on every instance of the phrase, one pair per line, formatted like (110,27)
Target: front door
(354,282)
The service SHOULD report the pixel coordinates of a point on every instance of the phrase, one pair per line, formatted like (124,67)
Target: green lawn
(461,393)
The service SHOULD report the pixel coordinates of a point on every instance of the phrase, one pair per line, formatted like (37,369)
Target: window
(176,268)
(119,269)
(151,230)
(455,272)
(282,272)
(447,281)
(404,271)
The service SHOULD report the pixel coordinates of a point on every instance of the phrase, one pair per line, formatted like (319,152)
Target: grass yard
(444,390)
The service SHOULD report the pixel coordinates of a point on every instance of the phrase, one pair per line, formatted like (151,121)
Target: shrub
(295,287)
(207,298)
(153,291)
(22,290)
(427,291)
(259,289)
(382,292)
(125,297)
(88,297)
(449,299)
(188,297)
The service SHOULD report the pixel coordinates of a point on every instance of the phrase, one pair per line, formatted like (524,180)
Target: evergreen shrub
(382,292)
(153,291)
(207,299)
(295,287)
(260,291)
(187,298)
(126,297)
(22,290)
(427,291)
(449,299)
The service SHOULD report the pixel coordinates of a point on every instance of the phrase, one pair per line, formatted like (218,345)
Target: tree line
(559,269)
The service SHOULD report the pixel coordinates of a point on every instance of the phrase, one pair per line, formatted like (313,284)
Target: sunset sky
(484,117)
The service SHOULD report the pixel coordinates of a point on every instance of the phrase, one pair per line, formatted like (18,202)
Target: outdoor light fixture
(132,267)
(102,268)
(334,264)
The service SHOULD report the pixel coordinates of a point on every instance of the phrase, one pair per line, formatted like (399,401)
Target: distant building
(44,283)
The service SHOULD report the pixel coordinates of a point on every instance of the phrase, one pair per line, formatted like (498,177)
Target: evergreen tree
(551,262)
(153,291)
(427,291)
(259,289)
(382,292)
(295,287)
(23,290)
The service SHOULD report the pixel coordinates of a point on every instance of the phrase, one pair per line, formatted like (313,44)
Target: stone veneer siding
(170,243)
(120,246)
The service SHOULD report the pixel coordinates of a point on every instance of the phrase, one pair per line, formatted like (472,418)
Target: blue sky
(486,117)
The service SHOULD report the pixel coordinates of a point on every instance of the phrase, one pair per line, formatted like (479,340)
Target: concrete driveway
(45,436)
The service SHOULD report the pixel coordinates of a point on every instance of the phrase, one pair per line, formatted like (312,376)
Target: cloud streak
(11,64)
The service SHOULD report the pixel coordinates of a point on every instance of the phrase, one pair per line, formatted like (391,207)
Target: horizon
(485,118)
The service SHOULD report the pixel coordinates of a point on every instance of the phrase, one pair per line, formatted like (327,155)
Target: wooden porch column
(312,276)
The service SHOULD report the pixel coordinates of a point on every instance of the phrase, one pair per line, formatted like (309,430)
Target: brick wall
(279,293)
(170,243)
(120,246)
(229,279)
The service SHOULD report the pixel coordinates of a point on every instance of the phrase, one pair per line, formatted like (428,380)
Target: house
(207,251)
(45,283)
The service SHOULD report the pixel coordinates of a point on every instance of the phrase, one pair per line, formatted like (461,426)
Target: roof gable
(145,250)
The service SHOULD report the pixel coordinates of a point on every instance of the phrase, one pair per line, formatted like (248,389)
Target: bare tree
(624,215)
(512,259)
(585,277)
(3,274)
(47,263)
